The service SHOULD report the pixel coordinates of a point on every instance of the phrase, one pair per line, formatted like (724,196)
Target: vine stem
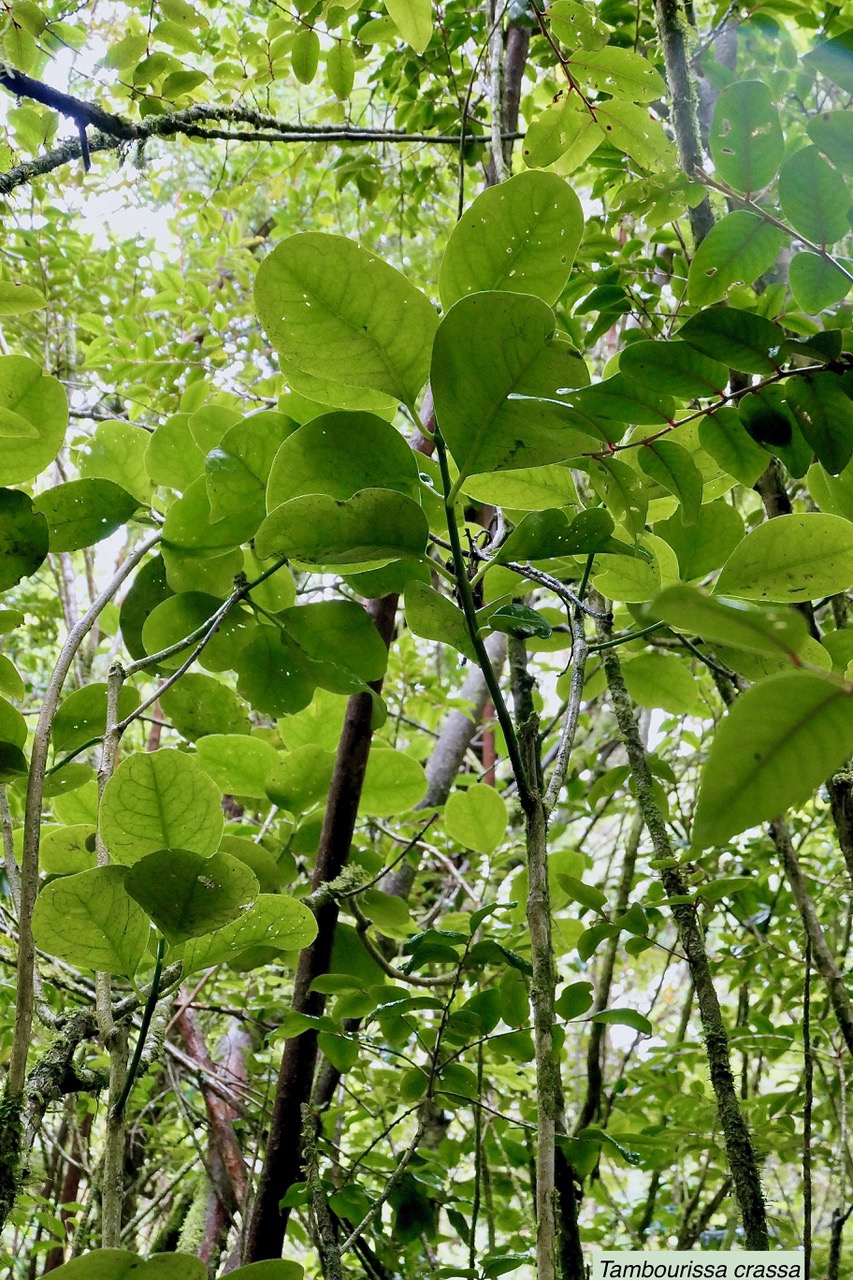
(468,608)
(32,818)
(147,1015)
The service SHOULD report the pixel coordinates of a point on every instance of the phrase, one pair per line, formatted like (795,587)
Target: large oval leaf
(746,139)
(520,236)
(737,250)
(24,536)
(91,922)
(794,557)
(373,525)
(338,312)
(493,345)
(273,920)
(84,512)
(814,197)
(187,895)
(338,454)
(159,800)
(33,418)
(779,741)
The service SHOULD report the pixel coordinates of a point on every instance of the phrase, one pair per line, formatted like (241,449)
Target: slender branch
(114,133)
(32,818)
(740,1150)
(147,1015)
(808,1101)
(744,202)
(468,608)
(580,651)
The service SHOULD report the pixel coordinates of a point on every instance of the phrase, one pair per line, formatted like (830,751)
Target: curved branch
(113,132)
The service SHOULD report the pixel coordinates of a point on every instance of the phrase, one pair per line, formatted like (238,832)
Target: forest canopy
(426,687)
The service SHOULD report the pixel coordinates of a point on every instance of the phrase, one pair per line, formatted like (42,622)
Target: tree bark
(284,1158)
(740,1152)
(682,109)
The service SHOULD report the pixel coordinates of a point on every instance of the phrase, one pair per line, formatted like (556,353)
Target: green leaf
(633,581)
(831,131)
(738,249)
(393,783)
(24,537)
(564,131)
(89,921)
(824,414)
(777,743)
(661,680)
(528,489)
(271,1270)
(273,920)
(490,346)
(671,465)
(521,621)
(17,299)
(576,26)
(586,894)
(413,19)
(334,310)
(373,525)
(20,48)
(746,139)
(191,527)
(338,454)
(118,1264)
(199,705)
(674,367)
(834,59)
(614,70)
(621,399)
(271,673)
(188,895)
(172,457)
(814,197)
(83,715)
(574,1000)
(763,631)
(66,850)
(431,615)
(633,130)
(239,765)
(116,452)
(770,422)
(181,615)
(159,800)
(301,779)
(816,282)
(727,887)
(305,55)
(520,236)
(340,70)
(794,557)
(476,817)
(542,535)
(339,634)
(84,512)
(624,1018)
(237,469)
(725,438)
(11,683)
(33,418)
(736,338)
